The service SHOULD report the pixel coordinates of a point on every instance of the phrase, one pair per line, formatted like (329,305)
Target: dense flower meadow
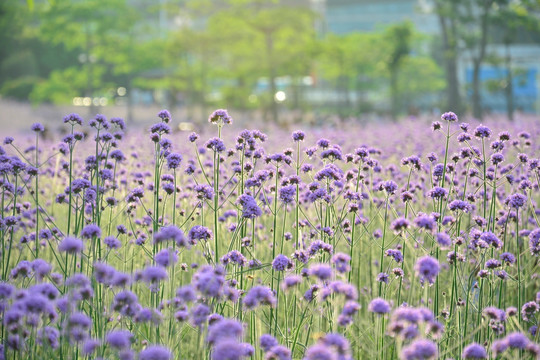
(389,241)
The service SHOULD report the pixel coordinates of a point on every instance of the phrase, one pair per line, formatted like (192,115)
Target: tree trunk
(453,99)
(509,89)
(129,113)
(394,94)
(477,61)
(271,75)
(476,101)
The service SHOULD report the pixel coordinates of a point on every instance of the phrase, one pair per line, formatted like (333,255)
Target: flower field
(390,241)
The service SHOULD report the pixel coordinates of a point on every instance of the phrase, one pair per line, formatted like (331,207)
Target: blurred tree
(398,39)
(515,19)
(447,15)
(276,36)
(111,49)
(350,62)
(239,44)
(476,19)
(24,58)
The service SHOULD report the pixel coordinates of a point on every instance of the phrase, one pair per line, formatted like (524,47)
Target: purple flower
(321,271)
(71,245)
(112,242)
(444,239)
(287,194)
(421,349)
(298,135)
(278,352)
(231,350)
(491,239)
(226,329)
(37,127)
(482,132)
(153,274)
(199,232)
(427,268)
(174,160)
(449,116)
(235,257)
(193,137)
(534,242)
(159,129)
(170,233)
(155,352)
(320,352)
(282,263)
(516,201)
(399,224)
(73,119)
(342,262)
(166,257)
(250,209)
(91,231)
(424,221)
(215,144)
(517,340)
(119,339)
(529,309)
(459,205)
(90,346)
(164,115)
(379,306)
(508,258)
(267,341)
(209,281)
(389,186)
(382,278)
(290,281)
(220,116)
(331,172)
(259,295)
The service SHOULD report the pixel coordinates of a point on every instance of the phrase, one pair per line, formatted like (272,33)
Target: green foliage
(234,53)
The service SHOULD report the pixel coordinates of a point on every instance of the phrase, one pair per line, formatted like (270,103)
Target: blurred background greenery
(294,59)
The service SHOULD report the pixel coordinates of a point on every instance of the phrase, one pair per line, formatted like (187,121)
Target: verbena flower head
(209,281)
(449,116)
(174,160)
(226,329)
(259,295)
(421,349)
(199,232)
(71,245)
(119,339)
(73,119)
(165,116)
(287,194)
(282,263)
(379,306)
(427,269)
(37,127)
(341,262)
(534,242)
(482,132)
(220,116)
(91,231)
(170,233)
(321,271)
(160,128)
(516,201)
(155,352)
(298,135)
(250,209)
